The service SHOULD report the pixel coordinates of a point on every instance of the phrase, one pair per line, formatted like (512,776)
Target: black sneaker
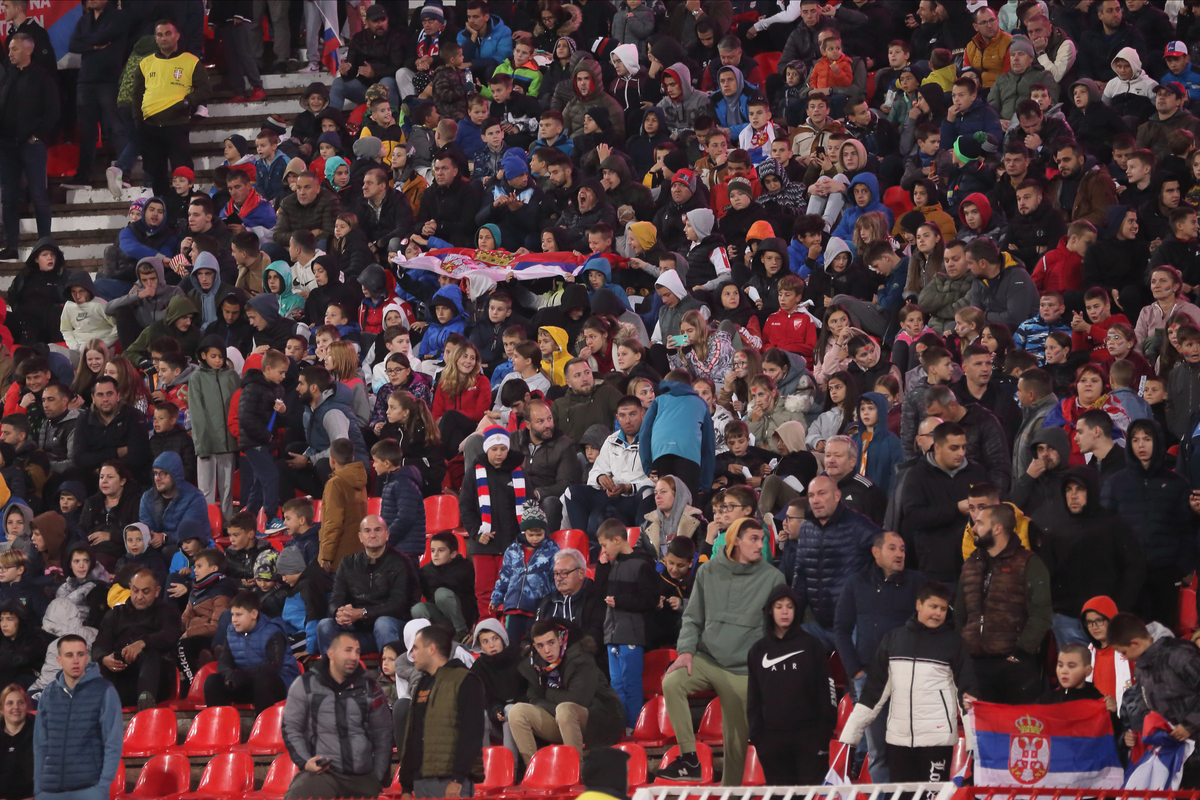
(145,701)
(686,767)
(8,254)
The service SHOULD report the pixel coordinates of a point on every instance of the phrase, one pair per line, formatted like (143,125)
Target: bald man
(834,543)
(373,591)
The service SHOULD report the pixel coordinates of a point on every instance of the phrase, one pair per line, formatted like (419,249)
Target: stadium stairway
(86,221)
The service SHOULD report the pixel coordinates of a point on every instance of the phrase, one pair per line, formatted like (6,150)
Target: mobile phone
(820,150)
(677,341)
(323,761)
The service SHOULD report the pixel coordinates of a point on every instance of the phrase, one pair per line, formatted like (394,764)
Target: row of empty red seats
(215,730)
(228,776)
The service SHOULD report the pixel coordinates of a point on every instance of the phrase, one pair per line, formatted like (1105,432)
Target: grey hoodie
(151,309)
(691,104)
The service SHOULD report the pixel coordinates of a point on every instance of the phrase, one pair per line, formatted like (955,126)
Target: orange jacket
(823,76)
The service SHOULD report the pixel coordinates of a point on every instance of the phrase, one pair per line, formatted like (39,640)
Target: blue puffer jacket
(1154,501)
(249,650)
(826,557)
(523,584)
(164,516)
(77,735)
(403,510)
(852,212)
(434,340)
(338,397)
(884,451)
(495,45)
(678,423)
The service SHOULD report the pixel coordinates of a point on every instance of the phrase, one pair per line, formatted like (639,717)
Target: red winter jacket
(473,402)
(1060,270)
(795,332)
(1093,340)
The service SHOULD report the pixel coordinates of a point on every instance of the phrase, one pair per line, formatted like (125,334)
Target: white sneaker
(113,176)
(311,69)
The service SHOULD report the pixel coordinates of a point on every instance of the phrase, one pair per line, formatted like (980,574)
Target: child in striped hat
(490,509)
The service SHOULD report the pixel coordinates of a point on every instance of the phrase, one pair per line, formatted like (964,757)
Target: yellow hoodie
(943,77)
(555,366)
(968,543)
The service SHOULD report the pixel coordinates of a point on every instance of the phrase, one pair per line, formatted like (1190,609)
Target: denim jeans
(826,636)
(127,158)
(260,482)
(97,108)
(354,90)
(588,507)
(625,675)
(384,630)
(874,737)
(28,159)
(1067,630)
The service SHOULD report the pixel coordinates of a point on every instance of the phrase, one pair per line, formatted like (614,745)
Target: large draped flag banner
(459,262)
(1068,745)
(1160,766)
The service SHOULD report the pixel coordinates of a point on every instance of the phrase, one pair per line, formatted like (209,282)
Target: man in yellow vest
(167,89)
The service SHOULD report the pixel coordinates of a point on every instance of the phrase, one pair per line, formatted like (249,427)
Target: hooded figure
(1119,263)
(991,225)
(733,112)
(290,303)
(852,211)
(577,222)
(1088,549)
(52,527)
(783,203)
(640,147)
(37,296)
(1134,97)
(188,336)
(658,529)
(879,449)
(503,685)
(681,114)
(331,165)
(1044,493)
(209,302)
(278,329)
(708,262)
(164,515)
(434,340)
(150,558)
(669,318)
(601,265)
(82,322)
(789,700)
(593,95)
(335,290)
(630,191)
(1096,124)
(139,240)
(767,285)
(555,365)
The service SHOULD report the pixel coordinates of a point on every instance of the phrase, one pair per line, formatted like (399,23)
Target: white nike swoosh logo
(770,662)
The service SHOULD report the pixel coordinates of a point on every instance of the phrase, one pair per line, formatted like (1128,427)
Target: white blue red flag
(1160,767)
(839,766)
(329,47)
(1068,745)
(459,262)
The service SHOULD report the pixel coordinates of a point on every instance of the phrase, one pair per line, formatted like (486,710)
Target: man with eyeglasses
(873,601)
(574,600)
(787,534)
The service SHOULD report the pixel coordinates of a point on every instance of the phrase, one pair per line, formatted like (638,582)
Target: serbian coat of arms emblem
(1028,751)
(178,74)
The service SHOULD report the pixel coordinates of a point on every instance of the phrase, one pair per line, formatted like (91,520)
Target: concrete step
(109,223)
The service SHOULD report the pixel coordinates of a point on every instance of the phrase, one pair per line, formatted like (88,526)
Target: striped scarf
(485,497)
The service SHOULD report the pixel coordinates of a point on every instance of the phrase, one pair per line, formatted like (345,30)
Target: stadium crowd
(874,333)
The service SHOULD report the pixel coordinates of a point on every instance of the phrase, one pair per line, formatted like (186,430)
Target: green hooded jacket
(179,306)
(290,304)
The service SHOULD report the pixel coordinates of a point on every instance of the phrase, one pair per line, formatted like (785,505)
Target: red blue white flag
(329,47)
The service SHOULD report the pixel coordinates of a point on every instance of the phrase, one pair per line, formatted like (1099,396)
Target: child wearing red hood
(1112,674)
(979,220)
(1061,269)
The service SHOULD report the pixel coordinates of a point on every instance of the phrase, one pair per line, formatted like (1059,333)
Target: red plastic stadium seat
(845,706)
(195,695)
(703,752)
(770,63)
(279,778)
(163,775)
(117,788)
(214,519)
(317,510)
(441,513)
(266,737)
(648,731)
(227,777)
(573,538)
(1187,611)
(752,775)
(710,724)
(637,767)
(552,770)
(633,534)
(374,505)
(214,730)
(654,669)
(499,771)
(870,84)
(150,733)
(960,756)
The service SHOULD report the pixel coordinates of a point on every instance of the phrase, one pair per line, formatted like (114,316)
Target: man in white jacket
(617,483)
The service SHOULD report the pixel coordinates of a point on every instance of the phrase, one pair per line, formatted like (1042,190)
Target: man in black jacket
(373,591)
(1097,47)
(374,56)
(28,116)
(551,463)
(136,642)
(384,214)
(934,510)
(978,385)
(448,207)
(858,493)
(986,442)
(111,429)
(99,39)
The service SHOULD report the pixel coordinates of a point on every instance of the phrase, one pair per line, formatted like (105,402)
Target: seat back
(117,788)
(151,731)
(441,513)
(646,727)
(845,706)
(637,767)
(552,767)
(214,727)
(753,775)
(499,771)
(280,775)
(770,62)
(703,752)
(214,519)
(374,505)
(227,774)
(316,509)
(196,690)
(710,723)
(1187,611)
(268,729)
(664,720)
(575,539)
(164,775)
(654,669)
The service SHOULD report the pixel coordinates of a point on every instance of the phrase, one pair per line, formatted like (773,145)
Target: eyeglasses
(562,574)
(1096,623)
(790,518)
(395,371)
(730,507)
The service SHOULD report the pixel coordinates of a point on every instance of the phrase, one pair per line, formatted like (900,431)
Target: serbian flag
(839,766)
(1160,766)
(1063,746)
(329,47)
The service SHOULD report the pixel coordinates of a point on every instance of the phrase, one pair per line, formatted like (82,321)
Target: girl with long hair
(707,354)
(91,367)
(720,415)
(598,334)
(735,389)
(400,376)
(843,395)
(998,339)
(462,396)
(926,260)
(130,385)
(410,422)
(631,362)
(342,363)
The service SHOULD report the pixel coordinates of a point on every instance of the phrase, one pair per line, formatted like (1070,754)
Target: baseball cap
(1176,48)
(1173,88)
(375,13)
